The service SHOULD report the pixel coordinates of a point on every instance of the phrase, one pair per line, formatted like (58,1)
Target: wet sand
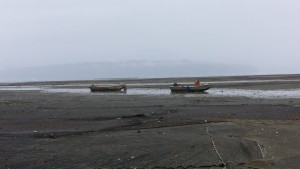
(82,130)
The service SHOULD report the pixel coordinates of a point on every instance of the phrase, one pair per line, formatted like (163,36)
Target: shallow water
(291,93)
(132,91)
(20,88)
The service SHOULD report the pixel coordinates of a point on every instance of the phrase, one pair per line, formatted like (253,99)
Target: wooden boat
(189,89)
(98,88)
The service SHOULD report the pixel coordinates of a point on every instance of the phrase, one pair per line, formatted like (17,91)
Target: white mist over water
(124,69)
(48,40)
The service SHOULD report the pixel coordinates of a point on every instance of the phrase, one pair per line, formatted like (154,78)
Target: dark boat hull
(95,88)
(189,89)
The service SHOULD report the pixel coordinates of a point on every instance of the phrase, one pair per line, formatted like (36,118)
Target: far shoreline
(158,80)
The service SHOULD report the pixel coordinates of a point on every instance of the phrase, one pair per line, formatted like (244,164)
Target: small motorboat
(111,88)
(189,89)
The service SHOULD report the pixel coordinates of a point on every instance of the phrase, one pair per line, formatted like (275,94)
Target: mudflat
(41,129)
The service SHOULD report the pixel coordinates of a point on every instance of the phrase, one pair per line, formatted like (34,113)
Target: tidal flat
(242,122)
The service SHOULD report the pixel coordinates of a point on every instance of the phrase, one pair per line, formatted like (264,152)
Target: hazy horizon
(260,35)
(123,69)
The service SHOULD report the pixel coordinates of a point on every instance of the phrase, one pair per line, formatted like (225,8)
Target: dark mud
(73,130)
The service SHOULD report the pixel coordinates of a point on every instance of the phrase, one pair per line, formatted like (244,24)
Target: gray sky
(262,33)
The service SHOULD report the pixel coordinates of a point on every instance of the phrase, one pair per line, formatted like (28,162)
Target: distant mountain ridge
(123,69)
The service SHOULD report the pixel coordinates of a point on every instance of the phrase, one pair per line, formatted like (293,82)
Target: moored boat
(98,88)
(189,89)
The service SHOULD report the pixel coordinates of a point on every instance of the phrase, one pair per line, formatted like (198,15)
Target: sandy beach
(256,127)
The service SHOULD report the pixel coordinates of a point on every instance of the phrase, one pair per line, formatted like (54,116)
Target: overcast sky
(262,33)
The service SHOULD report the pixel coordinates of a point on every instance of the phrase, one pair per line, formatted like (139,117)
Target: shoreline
(166,79)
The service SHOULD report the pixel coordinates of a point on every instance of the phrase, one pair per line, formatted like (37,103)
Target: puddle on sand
(292,93)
